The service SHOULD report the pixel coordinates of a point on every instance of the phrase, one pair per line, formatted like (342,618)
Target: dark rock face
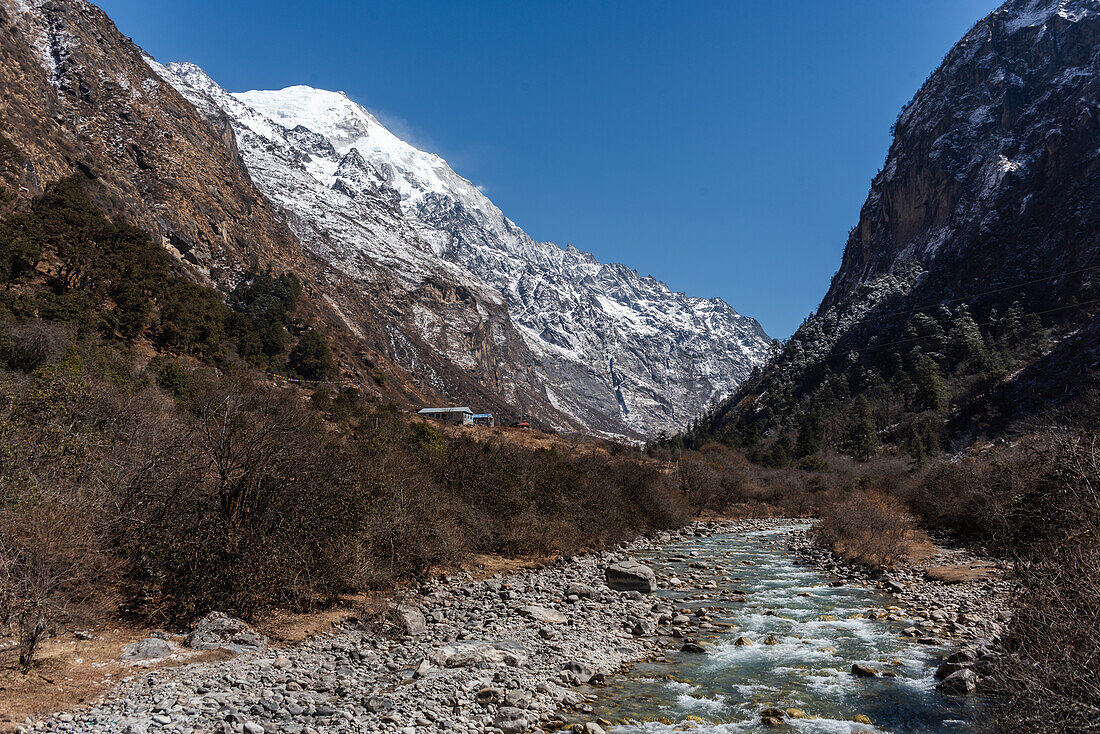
(989,197)
(993,174)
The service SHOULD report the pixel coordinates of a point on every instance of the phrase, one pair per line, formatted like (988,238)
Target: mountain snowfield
(614,352)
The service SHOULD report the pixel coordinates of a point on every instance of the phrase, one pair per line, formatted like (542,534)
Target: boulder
(863,671)
(576,673)
(219,630)
(517,699)
(743,642)
(948,668)
(580,590)
(630,575)
(411,619)
(692,647)
(511,720)
(468,653)
(151,648)
(960,683)
(542,614)
(590,727)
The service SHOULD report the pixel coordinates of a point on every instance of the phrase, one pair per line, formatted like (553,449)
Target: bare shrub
(868,527)
(244,509)
(28,345)
(1053,642)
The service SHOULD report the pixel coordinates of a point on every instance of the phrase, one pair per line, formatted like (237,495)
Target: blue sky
(725,148)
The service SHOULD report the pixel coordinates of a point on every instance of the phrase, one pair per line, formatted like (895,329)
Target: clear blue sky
(724,147)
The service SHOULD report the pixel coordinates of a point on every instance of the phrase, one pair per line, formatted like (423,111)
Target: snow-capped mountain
(607,349)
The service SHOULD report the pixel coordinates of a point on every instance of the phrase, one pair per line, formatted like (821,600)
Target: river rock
(412,620)
(743,642)
(584,591)
(468,653)
(863,671)
(576,673)
(542,614)
(959,683)
(219,630)
(630,575)
(151,648)
(511,720)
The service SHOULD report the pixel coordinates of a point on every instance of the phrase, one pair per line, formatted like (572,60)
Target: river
(818,631)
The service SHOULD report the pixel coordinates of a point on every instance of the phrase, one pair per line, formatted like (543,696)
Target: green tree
(863,435)
(311,358)
(810,433)
(965,343)
(931,390)
(192,321)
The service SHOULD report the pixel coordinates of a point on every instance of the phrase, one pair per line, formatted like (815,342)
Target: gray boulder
(959,683)
(576,673)
(218,630)
(411,619)
(580,590)
(542,614)
(469,653)
(511,720)
(630,575)
(152,648)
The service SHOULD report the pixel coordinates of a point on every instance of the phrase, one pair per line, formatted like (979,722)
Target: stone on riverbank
(630,575)
(960,683)
(148,649)
(219,630)
(542,614)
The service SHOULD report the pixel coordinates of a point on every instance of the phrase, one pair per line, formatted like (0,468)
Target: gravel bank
(500,654)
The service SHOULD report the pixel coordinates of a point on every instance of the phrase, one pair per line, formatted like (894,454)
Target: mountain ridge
(606,344)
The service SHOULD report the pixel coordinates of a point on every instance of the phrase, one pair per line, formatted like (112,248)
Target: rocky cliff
(989,202)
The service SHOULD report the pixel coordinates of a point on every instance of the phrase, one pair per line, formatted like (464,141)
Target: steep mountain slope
(609,349)
(426,291)
(986,210)
(78,97)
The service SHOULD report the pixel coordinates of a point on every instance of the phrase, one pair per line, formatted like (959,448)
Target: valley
(225,509)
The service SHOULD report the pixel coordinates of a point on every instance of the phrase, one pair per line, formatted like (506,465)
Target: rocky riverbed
(952,596)
(506,654)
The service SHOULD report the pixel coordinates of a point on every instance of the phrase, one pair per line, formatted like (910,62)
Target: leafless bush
(1048,679)
(868,527)
(28,345)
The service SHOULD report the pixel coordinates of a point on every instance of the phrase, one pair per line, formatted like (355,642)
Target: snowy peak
(603,347)
(349,126)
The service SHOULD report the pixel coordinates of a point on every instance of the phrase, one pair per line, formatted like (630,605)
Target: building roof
(445,410)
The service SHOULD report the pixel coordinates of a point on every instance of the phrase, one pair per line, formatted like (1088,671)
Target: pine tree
(863,436)
(965,344)
(931,391)
(810,434)
(311,358)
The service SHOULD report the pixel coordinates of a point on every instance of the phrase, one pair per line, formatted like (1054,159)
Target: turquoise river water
(821,631)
